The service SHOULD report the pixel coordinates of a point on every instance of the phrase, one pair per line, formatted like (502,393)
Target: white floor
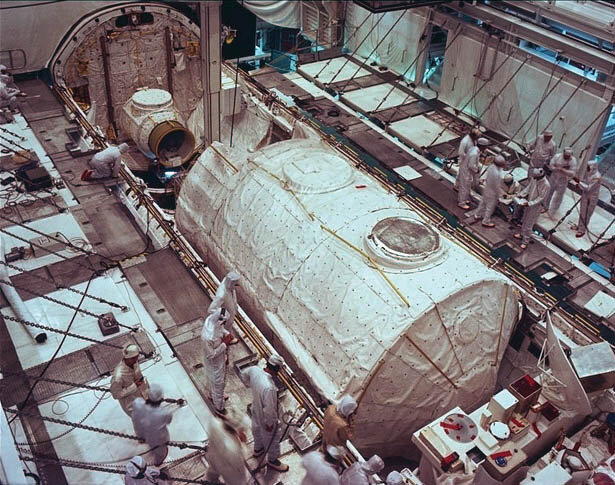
(58,316)
(63,223)
(368,99)
(19,128)
(421,131)
(567,229)
(331,70)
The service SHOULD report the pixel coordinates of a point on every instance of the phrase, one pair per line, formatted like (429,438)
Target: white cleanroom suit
(225,455)
(542,150)
(127,382)
(395,478)
(360,473)
(590,187)
(138,472)
(318,470)
(151,421)
(532,197)
(226,297)
(492,191)
(107,162)
(215,352)
(562,170)
(466,143)
(266,428)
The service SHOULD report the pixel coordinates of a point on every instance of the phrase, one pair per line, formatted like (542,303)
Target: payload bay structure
(326,179)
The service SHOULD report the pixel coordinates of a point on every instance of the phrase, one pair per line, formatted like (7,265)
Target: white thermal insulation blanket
(341,321)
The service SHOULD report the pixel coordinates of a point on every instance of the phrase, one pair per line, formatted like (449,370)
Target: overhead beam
(568,47)
(210,68)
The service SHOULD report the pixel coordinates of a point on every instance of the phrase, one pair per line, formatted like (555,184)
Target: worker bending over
(127,381)
(226,298)
(322,468)
(590,192)
(215,339)
(360,473)
(337,425)
(542,150)
(563,167)
(530,199)
(492,191)
(150,421)
(105,164)
(266,428)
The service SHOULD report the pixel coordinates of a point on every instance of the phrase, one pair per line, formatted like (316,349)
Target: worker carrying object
(360,473)
(151,420)
(215,339)
(338,422)
(225,454)
(492,191)
(530,199)
(468,171)
(563,167)
(322,468)
(542,150)
(105,164)
(395,478)
(226,298)
(127,382)
(138,472)
(467,142)
(590,191)
(266,428)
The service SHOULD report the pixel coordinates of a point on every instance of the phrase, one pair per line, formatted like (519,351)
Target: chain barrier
(65,241)
(64,332)
(50,251)
(110,432)
(27,455)
(62,303)
(62,287)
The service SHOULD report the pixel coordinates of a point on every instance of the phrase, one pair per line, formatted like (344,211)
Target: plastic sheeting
(36,30)
(332,310)
(400,47)
(512,104)
(284,13)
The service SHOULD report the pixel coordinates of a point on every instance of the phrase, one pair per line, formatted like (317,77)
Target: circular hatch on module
(318,172)
(404,241)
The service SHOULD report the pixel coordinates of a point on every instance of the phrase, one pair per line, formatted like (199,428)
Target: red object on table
(501,454)
(360,186)
(446,425)
(447,461)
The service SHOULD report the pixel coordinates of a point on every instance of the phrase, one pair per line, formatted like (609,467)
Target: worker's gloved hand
(227,339)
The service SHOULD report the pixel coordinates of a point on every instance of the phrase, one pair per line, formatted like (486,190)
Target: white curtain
(38,27)
(284,13)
